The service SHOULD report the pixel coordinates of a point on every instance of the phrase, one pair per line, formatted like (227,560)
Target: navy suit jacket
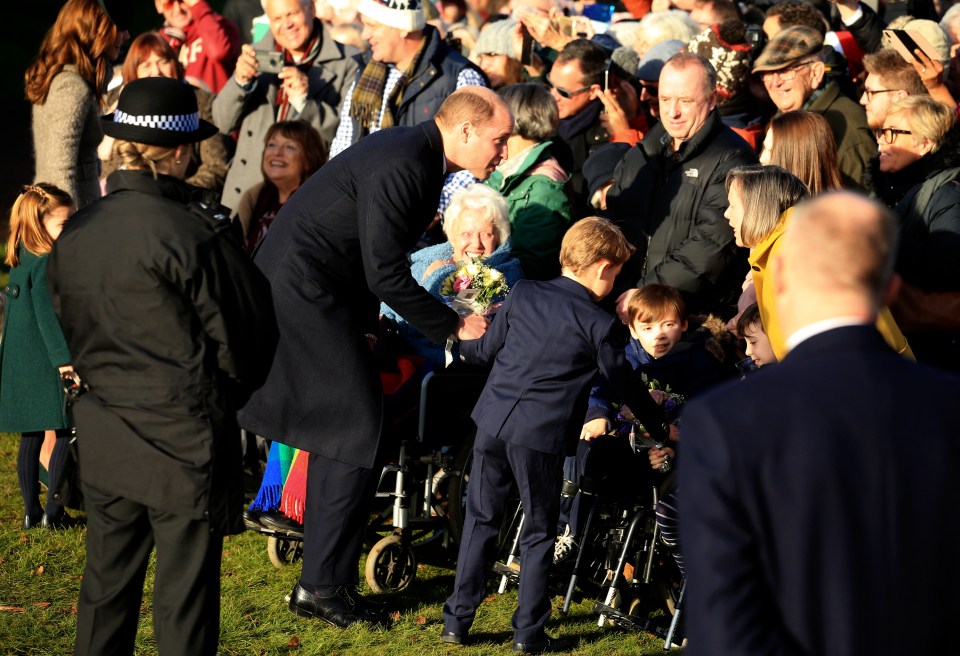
(336,249)
(547,342)
(820,506)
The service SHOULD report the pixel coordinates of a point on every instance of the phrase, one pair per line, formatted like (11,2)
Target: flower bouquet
(474,288)
(670,401)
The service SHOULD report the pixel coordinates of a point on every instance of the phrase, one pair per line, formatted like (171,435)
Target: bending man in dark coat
(817,499)
(168,323)
(334,249)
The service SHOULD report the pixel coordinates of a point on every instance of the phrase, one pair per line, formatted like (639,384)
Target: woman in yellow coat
(761,200)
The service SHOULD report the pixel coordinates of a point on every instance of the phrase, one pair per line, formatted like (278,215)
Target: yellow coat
(760,258)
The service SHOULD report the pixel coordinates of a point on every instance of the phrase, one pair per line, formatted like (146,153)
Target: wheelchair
(421,492)
(622,560)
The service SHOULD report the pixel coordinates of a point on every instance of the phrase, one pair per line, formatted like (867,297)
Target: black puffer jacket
(929,251)
(671,205)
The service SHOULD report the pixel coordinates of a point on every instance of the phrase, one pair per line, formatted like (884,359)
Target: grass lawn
(40,574)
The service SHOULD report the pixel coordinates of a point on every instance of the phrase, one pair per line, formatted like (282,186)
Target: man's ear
(712,100)
(892,290)
(817,70)
(464,131)
(594,88)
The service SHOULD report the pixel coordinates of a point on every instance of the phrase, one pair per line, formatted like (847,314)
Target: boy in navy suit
(547,343)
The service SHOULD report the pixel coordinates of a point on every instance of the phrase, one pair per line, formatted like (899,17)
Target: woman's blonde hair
(133,155)
(83,35)
(927,118)
(766,192)
(26,219)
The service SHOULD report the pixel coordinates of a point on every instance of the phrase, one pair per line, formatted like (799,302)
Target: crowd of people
(228,218)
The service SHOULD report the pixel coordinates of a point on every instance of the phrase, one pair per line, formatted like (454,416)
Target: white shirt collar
(818,327)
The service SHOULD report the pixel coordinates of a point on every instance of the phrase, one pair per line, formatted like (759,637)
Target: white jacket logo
(692,173)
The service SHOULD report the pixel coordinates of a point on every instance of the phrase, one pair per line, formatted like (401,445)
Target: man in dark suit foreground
(820,511)
(337,248)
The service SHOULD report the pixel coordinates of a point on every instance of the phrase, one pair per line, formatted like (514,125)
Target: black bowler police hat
(159,111)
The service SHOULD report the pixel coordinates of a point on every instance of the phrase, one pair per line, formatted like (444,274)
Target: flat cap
(787,46)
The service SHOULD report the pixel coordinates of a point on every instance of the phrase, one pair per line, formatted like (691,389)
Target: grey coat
(252,112)
(66,133)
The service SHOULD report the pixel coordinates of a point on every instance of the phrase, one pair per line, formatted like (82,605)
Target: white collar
(818,327)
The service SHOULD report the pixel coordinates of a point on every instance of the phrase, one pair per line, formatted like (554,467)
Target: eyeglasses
(870,93)
(889,135)
(568,94)
(787,74)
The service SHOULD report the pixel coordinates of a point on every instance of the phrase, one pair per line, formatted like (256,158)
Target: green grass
(40,573)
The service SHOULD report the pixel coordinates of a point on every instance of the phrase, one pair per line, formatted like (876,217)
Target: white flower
(473,269)
(495,275)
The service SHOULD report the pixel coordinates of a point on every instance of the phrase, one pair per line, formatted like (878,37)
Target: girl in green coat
(33,351)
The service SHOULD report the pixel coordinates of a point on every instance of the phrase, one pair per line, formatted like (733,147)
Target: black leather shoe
(342,609)
(30,522)
(251,520)
(59,523)
(453,638)
(543,646)
(277,522)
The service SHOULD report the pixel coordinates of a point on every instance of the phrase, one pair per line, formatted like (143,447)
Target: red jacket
(210,48)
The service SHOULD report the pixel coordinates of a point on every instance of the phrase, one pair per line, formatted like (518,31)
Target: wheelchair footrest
(511,571)
(656,626)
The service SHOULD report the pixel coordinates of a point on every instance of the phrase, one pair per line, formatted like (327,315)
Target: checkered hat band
(169,123)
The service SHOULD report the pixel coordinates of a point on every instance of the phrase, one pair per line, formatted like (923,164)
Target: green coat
(540,211)
(32,349)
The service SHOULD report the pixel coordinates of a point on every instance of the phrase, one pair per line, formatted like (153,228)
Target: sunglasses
(563,93)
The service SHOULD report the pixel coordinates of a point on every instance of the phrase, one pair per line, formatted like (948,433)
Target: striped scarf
(368,93)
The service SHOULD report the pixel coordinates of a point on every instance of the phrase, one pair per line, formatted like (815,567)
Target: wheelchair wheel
(457,487)
(391,565)
(284,551)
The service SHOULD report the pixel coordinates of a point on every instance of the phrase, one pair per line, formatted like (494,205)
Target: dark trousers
(334,522)
(496,464)
(28,471)
(186,595)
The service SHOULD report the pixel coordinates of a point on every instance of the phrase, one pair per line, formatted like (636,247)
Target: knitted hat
(652,62)
(731,60)
(159,111)
(404,15)
(787,46)
(626,62)
(498,39)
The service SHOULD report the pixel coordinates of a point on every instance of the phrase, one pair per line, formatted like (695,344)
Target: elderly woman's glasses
(889,135)
(786,74)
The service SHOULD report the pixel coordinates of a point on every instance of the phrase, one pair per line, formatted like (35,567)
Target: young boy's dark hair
(749,317)
(590,240)
(653,302)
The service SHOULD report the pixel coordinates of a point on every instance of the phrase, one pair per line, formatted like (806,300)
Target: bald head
(838,255)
